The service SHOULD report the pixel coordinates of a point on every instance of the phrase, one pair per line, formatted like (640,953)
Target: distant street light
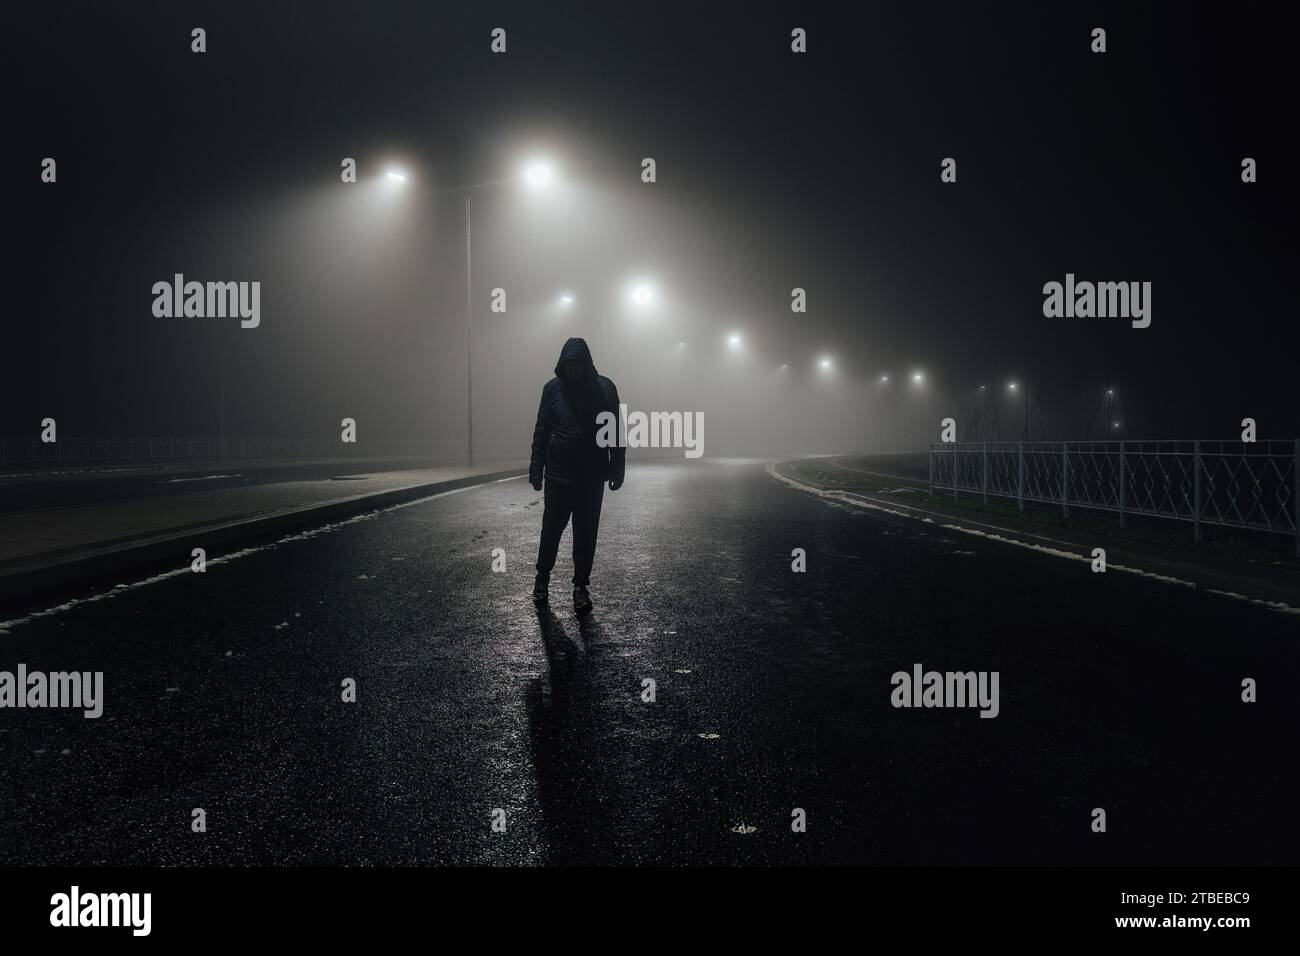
(566,300)
(825,363)
(396,175)
(917,378)
(884,380)
(734,340)
(641,293)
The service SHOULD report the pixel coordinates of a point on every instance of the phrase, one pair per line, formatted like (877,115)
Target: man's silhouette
(574,467)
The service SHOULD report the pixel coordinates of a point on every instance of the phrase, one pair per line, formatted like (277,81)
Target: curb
(94,564)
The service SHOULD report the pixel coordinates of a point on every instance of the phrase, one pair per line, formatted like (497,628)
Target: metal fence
(117,451)
(1253,485)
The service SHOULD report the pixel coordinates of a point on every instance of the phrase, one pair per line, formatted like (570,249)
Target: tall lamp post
(1013,387)
(535,175)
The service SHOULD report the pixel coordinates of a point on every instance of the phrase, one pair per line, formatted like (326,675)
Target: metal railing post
(1020,478)
(1196,489)
(1123,484)
(931,470)
(1295,499)
(1065,479)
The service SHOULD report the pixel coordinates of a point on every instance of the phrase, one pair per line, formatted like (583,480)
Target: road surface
(772,692)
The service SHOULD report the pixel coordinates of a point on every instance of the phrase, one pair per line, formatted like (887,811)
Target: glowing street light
(1011,386)
(641,293)
(917,378)
(538,174)
(396,175)
(566,300)
(825,363)
(884,380)
(734,340)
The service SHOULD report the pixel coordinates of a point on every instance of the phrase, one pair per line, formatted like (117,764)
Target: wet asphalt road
(223,692)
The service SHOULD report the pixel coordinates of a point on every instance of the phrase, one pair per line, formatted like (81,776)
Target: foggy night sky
(775,170)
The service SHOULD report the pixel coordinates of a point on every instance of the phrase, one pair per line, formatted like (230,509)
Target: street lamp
(536,175)
(918,378)
(1012,387)
(974,411)
(641,293)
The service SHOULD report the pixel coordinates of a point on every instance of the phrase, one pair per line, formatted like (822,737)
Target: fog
(773,174)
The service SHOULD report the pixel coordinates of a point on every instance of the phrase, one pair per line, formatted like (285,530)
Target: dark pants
(580,500)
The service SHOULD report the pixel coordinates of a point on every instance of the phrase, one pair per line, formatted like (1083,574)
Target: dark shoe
(541,590)
(581,600)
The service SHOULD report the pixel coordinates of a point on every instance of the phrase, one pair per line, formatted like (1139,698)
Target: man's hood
(576,350)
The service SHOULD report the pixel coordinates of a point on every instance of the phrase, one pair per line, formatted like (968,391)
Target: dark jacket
(564,438)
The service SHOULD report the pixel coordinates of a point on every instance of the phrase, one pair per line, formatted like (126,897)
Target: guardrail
(1254,485)
(116,451)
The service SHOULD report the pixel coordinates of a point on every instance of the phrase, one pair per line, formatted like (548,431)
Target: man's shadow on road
(565,738)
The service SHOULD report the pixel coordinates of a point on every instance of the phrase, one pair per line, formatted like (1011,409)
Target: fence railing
(1253,485)
(115,451)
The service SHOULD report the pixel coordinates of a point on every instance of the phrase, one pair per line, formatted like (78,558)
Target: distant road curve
(911,469)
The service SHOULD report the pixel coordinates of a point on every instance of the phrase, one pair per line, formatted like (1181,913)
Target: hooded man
(574,466)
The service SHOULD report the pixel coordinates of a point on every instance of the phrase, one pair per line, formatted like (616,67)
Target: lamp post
(974,414)
(536,175)
(1013,387)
